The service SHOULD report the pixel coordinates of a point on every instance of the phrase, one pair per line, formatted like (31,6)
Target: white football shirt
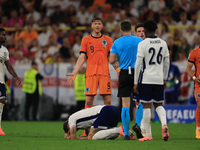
(84,119)
(4,56)
(153,51)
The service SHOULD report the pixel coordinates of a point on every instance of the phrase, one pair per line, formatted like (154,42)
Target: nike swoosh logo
(90,43)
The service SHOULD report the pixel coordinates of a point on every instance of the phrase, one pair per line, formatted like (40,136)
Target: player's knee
(3,101)
(107,100)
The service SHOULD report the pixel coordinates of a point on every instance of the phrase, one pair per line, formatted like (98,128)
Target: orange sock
(87,106)
(197,117)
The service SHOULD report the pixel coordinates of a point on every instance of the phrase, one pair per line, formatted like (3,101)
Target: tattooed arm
(72,133)
(114,61)
(92,132)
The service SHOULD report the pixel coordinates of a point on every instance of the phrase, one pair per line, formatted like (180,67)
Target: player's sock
(125,120)
(142,128)
(1,112)
(197,119)
(102,134)
(162,115)
(147,121)
(139,114)
(88,106)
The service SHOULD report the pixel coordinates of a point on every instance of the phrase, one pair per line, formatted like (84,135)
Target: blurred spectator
(88,31)
(191,35)
(77,46)
(164,32)
(133,20)
(72,33)
(173,85)
(156,5)
(49,6)
(110,23)
(74,22)
(176,11)
(17,31)
(97,12)
(43,37)
(99,3)
(83,15)
(21,46)
(1,11)
(34,47)
(21,60)
(57,16)
(53,46)
(55,31)
(133,11)
(169,19)
(177,35)
(12,56)
(185,5)
(184,46)
(87,3)
(22,13)
(116,12)
(14,18)
(4,20)
(61,35)
(71,11)
(184,21)
(65,50)
(181,57)
(116,33)
(173,49)
(195,20)
(64,4)
(8,5)
(144,14)
(196,42)
(29,35)
(36,15)
(47,21)
(31,21)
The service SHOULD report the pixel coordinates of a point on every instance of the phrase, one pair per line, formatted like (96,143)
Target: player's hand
(197,80)
(165,84)
(18,80)
(71,78)
(136,89)
(67,136)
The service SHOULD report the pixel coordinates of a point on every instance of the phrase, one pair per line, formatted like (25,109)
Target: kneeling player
(101,121)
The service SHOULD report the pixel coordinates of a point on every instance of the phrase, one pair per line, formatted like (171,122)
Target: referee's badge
(104,42)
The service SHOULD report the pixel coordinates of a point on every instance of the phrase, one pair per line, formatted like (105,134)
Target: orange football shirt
(194,57)
(97,50)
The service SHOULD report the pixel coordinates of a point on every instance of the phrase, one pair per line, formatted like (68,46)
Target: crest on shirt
(198,95)
(104,42)
(87,89)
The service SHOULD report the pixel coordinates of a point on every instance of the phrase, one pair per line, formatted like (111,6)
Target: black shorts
(126,83)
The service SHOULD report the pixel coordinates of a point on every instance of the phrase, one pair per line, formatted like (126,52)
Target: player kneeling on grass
(101,122)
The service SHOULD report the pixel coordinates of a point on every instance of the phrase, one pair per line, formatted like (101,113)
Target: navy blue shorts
(108,118)
(171,97)
(151,93)
(2,91)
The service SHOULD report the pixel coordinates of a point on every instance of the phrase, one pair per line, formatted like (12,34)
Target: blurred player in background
(125,48)
(4,59)
(155,53)
(100,121)
(193,60)
(95,48)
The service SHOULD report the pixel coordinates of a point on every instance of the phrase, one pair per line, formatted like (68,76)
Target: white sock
(162,115)
(102,134)
(142,128)
(147,121)
(1,112)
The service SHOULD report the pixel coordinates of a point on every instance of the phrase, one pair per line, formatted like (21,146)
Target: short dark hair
(125,26)
(138,26)
(150,25)
(33,63)
(65,127)
(97,18)
(2,29)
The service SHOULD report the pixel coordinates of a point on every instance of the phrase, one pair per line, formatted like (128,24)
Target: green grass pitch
(50,136)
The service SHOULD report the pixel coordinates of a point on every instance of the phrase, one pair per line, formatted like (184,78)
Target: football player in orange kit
(193,59)
(95,49)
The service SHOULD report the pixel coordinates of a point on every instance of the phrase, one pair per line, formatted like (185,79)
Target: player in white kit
(4,59)
(154,54)
(100,121)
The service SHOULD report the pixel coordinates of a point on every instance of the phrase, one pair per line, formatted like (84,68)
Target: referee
(125,48)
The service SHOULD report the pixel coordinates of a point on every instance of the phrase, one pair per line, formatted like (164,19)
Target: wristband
(194,78)
(118,70)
